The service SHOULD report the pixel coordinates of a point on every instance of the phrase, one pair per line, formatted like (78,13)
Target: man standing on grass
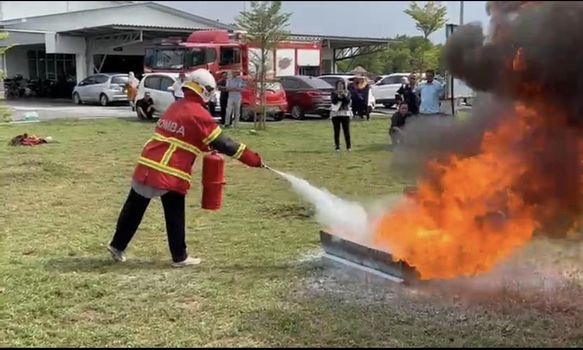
(234,86)
(165,166)
(430,93)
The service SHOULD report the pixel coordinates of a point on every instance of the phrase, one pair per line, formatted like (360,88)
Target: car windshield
(273,86)
(120,79)
(317,83)
(165,58)
(178,58)
(395,79)
(331,80)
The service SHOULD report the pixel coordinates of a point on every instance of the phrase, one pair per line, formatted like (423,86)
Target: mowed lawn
(58,286)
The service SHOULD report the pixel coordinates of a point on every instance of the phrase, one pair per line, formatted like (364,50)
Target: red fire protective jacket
(184,131)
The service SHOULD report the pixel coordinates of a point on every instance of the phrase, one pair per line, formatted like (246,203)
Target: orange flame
(465,217)
(518,63)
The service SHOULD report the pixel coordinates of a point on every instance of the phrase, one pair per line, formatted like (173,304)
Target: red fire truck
(223,51)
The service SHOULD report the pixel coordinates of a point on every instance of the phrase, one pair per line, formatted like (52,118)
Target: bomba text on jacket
(171,126)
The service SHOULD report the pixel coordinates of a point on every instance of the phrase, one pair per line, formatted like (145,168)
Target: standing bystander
(430,93)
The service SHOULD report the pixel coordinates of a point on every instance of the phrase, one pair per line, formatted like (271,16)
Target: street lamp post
(461,13)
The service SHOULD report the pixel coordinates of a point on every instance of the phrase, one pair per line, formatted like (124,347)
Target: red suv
(307,95)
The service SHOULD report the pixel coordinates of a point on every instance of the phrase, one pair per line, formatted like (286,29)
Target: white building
(56,39)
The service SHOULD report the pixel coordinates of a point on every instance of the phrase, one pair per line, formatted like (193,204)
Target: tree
(265,26)
(430,18)
(406,54)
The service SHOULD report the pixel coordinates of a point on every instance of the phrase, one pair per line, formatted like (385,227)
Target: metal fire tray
(368,259)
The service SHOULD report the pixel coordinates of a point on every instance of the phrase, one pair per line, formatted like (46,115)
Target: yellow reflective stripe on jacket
(239,152)
(164,169)
(179,143)
(169,152)
(213,136)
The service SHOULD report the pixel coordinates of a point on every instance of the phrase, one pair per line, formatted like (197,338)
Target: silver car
(103,88)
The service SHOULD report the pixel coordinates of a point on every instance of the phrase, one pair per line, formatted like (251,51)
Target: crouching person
(165,166)
(398,123)
(145,107)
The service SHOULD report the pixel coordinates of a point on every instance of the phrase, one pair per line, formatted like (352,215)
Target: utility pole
(461,13)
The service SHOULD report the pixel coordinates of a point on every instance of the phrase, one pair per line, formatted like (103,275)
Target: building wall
(17,62)
(22,9)
(327,60)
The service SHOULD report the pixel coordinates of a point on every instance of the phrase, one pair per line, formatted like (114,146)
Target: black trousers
(344,123)
(131,216)
(223,102)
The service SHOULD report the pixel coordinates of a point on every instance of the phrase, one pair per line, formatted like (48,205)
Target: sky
(377,19)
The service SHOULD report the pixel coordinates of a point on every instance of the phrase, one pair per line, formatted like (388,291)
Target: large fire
(466,217)
(473,211)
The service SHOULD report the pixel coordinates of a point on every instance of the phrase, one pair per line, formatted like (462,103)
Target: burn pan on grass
(373,260)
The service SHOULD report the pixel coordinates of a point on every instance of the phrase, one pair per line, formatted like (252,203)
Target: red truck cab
(223,51)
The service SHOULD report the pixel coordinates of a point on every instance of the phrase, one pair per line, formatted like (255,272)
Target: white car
(103,88)
(160,87)
(385,89)
(348,78)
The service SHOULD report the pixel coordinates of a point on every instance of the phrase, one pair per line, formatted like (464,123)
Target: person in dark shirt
(408,95)
(223,99)
(359,91)
(145,107)
(340,113)
(397,123)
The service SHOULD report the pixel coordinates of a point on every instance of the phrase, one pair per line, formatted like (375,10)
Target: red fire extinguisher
(213,180)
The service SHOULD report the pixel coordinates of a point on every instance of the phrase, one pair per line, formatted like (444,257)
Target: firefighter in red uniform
(164,168)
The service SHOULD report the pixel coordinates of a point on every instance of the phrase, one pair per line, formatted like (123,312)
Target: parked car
(348,79)
(160,87)
(275,100)
(386,88)
(307,95)
(103,88)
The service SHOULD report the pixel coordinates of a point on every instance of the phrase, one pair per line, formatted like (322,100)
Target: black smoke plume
(532,56)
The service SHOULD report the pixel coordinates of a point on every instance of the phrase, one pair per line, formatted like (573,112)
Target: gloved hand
(251,158)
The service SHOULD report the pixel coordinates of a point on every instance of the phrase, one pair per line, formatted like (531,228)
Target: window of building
(51,66)
(310,71)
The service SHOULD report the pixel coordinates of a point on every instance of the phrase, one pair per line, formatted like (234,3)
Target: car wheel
(279,116)
(103,100)
(297,113)
(77,99)
(246,114)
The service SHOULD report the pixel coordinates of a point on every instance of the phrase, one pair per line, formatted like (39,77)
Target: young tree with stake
(265,26)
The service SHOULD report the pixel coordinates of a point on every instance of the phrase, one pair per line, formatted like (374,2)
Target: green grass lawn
(58,286)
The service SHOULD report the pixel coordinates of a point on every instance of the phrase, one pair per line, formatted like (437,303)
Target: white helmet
(202,82)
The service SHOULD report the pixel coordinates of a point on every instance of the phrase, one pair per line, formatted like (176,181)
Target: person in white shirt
(234,86)
(177,87)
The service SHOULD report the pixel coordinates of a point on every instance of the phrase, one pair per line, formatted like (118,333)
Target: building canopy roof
(131,17)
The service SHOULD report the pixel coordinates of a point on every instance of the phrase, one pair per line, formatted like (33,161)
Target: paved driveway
(47,109)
